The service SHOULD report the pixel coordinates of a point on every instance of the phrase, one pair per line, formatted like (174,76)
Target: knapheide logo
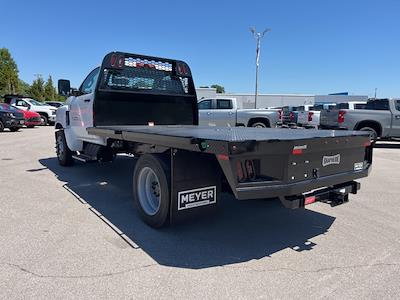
(331,160)
(197,197)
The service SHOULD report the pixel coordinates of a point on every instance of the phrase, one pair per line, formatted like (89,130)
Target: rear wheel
(64,154)
(259,125)
(1,126)
(13,129)
(372,132)
(151,189)
(30,126)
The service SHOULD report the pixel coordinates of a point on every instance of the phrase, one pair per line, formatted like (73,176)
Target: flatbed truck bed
(128,105)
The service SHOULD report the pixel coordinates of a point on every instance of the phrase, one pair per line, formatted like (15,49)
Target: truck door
(20,104)
(81,107)
(205,107)
(224,114)
(395,132)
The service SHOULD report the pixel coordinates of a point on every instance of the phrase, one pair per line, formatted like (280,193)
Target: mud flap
(195,185)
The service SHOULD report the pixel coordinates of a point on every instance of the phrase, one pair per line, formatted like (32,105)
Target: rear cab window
(342,106)
(381,104)
(224,104)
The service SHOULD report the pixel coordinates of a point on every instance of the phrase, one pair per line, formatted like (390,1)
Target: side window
(378,104)
(89,83)
(342,106)
(397,104)
(359,106)
(21,103)
(224,104)
(205,104)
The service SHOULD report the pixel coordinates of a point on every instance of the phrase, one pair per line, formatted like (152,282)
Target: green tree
(203,87)
(37,89)
(220,89)
(23,88)
(8,73)
(49,90)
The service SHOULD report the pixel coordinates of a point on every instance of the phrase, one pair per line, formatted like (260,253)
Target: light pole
(258,36)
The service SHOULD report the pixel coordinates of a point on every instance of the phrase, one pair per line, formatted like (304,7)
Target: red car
(32,118)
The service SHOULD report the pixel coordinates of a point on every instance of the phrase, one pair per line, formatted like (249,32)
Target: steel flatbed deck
(188,137)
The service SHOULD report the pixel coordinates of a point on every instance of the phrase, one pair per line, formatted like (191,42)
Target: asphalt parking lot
(72,233)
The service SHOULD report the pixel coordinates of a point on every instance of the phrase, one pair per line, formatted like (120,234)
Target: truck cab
(226,112)
(218,112)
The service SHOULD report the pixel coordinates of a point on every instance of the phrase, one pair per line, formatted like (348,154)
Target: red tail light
(341,116)
(310,114)
(291,116)
(309,200)
(113,60)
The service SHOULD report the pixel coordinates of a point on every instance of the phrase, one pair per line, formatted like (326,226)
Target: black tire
(30,126)
(44,120)
(64,154)
(1,126)
(373,133)
(159,165)
(259,124)
(14,129)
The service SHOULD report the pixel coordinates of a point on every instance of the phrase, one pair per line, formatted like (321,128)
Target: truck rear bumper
(335,195)
(264,190)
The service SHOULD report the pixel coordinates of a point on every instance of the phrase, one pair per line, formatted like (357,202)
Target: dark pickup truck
(147,106)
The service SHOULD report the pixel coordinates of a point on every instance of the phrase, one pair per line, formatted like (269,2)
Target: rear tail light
(310,114)
(341,116)
(291,116)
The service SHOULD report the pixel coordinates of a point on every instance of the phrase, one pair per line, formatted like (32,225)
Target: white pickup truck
(225,112)
(47,113)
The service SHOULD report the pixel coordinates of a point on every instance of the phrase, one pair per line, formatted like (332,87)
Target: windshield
(34,102)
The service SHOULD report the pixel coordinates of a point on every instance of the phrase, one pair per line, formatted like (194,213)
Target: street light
(258,36)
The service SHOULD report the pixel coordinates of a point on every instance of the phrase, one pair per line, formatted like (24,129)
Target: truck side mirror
(64,87)
(28,107)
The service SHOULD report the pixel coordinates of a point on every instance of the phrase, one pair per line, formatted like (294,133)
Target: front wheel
(64,154)
(151,189)
(44,120)
(1,126)
(14,129)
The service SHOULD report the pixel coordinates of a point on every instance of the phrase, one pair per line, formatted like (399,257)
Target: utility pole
(375,92)
(258,36)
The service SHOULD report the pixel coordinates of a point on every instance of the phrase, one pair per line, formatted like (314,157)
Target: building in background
(277,100)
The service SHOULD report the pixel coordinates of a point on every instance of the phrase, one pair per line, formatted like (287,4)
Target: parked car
(309,117)
(46,112)
(10,118)
(32,118)
(56,104)
(225,112)
(381,117)
(352,105)
(289,116)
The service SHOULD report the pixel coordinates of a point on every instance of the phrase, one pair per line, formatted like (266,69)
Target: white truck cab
(77,115)
(46,112)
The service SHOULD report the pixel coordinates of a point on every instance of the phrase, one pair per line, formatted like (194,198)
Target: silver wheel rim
(259,125)
(60,146)
(149,191)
